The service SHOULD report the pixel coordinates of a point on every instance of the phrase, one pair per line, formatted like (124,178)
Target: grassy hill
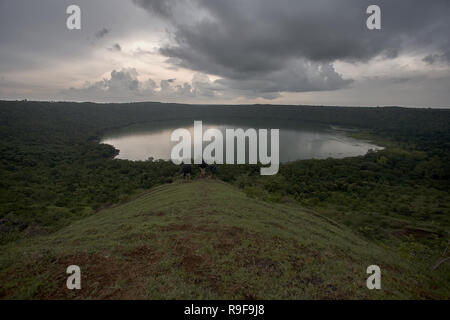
(208,240)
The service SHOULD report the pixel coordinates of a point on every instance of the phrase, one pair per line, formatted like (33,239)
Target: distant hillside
(208,240)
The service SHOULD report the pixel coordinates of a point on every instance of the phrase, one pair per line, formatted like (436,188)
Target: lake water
(297,140)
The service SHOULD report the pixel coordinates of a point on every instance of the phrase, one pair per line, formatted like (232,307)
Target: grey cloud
(102,33)
(115,47)
(296,76)
(160,7)
(320,30)
(141,52)
(430,59)
(124,85)
(124,80)
(33,34)
(437,58)
(290,45)
(120,86)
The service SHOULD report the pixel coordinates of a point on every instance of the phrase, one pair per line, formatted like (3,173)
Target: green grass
(209,240)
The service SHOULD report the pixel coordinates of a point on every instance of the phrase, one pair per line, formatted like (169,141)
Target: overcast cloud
(228,51)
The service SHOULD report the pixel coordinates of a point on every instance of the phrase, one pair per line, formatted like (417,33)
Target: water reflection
(297,140)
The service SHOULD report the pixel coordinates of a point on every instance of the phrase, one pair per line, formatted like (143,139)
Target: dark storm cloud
(290,45)
(249,48)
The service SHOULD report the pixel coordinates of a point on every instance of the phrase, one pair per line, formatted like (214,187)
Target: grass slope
(208,240)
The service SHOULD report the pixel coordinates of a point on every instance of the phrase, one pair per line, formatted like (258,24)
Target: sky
(314,52)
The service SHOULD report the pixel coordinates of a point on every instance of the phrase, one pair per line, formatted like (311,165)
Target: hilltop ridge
(206,240)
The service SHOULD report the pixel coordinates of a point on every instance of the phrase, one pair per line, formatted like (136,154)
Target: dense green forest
(53,170)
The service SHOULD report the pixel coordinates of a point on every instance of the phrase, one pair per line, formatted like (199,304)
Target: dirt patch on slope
(416,233)
(102,276)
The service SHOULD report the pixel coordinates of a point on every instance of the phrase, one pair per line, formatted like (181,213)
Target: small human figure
(203,167)
(213,169)
(187,169)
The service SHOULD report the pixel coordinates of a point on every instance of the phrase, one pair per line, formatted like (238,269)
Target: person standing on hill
(187,169)
(203,167)
(213,169)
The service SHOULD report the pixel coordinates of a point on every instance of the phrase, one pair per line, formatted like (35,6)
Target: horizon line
(230,104)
